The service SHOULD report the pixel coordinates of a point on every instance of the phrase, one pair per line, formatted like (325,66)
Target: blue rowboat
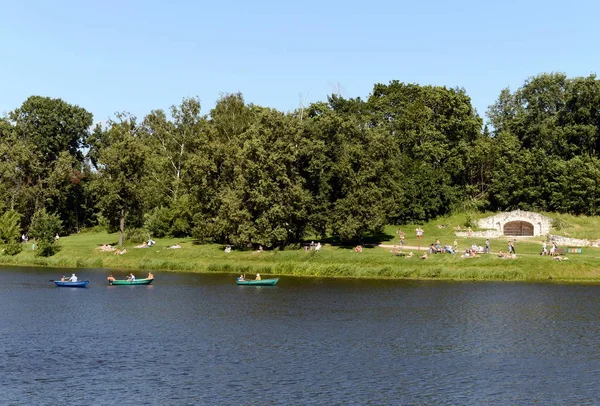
(82,284)
(262,282)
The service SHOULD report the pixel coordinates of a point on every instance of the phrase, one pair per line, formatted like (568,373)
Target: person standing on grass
(487,246)
(544,248)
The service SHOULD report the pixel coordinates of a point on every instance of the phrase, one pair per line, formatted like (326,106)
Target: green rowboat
(262,282)
(135,282)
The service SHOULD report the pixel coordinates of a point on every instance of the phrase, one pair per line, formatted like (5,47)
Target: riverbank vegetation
(337,171)
(83,250)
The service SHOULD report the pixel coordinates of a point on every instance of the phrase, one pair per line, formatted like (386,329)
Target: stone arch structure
(518,223)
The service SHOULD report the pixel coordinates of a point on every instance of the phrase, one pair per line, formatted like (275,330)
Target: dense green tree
(356,180)
(435,129)
(52,126)
(121,165)
(43,159)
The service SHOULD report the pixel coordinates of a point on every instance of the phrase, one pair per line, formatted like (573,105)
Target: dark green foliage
(44,228)
(121,163)
(41,160)
(159,222)
(10,232)
(547,136)
(343,168)
(136,235)
(13,248)
(10,229)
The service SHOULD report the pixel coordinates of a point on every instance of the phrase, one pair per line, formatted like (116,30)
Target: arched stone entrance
(518,229)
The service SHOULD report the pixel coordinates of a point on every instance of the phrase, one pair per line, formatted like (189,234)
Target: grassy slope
(79,251)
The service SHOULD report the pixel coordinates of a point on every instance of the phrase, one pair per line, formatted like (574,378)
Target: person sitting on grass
(409,255)
(424,256)
(358,248)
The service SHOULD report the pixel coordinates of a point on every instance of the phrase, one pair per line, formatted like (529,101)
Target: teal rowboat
(135,282)
(262,282)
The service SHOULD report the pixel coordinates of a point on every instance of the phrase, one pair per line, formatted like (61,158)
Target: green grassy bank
(336,261)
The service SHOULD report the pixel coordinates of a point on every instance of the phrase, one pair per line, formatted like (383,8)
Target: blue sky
(136,56)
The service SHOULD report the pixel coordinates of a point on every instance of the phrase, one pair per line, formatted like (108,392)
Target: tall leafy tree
(435,129)
(121,165)
(363,181)
(46,157)
(52,126)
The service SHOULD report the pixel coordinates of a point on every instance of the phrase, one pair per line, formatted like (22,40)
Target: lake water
(199,339)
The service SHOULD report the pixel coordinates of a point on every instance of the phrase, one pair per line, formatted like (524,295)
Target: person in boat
(111,278)
(131,277)
(150,275)
(63,279)
(258,277)
(241,278)
(73,278)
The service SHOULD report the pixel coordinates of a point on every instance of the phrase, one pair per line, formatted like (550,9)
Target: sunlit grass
(334,261)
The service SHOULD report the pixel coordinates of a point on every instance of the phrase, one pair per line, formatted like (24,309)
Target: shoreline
(442,268)
(376,261)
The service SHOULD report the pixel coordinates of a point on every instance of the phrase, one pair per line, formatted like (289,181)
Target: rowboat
(262,282)
(66,284)
(130,282)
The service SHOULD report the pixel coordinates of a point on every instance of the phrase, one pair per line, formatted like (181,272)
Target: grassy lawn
(80,250)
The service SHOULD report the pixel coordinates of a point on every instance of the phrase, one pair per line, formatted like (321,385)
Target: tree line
(246,174)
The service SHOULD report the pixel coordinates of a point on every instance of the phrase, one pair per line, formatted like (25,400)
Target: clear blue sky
(136,56)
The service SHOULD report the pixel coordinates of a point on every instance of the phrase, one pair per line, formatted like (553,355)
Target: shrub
(559,224)
(13,248)
(45,248)
(43,228)
(158,222)
(136,235)
(9,226)
(470,222)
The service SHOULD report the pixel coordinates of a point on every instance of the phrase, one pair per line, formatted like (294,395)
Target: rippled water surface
(200,339)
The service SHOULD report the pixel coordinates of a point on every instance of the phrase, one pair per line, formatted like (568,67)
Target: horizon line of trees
(246,174)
